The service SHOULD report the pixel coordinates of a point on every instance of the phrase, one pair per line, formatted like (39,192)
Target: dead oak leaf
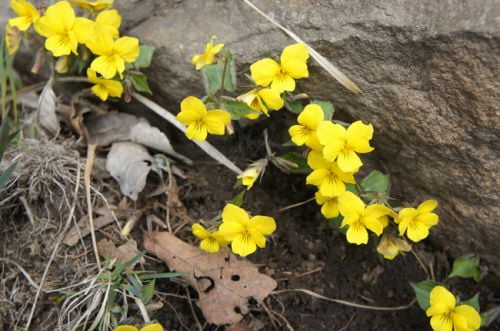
(224,283)
(122,253)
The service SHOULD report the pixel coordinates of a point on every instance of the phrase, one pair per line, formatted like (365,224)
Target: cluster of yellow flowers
(243,232)
(271,80)
(67,34)
(149,327)
(334,160)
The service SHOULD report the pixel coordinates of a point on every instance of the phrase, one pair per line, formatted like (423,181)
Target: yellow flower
(208,57)
(327,176)
(149,327)
(13,38)
(446,316)
(342,145)
(104,88)
(62,29)
(250,175)
(305,132)
(93,5)
(262,99)
(112,54)
(417,222)
(245,233)
(282,75)
(61,66)
(390,246)
(329,205)
(360,218)
(199,121)
(27,14)
(211,242)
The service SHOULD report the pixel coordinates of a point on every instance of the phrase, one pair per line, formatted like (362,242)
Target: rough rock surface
(429,72)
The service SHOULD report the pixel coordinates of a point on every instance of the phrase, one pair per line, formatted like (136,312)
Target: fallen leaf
(122,253)
(103,130)
(224,283)
(129,164)
(82,229)
(46,109)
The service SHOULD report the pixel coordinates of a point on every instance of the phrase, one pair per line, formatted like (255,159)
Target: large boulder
(429,74)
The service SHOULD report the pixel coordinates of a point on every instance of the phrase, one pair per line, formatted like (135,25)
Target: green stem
(223,79)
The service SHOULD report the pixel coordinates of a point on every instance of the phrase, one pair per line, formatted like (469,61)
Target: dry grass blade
(87,175)
(322,61)
(204,145)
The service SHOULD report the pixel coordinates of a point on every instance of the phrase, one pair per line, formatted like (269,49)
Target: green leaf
(5,136)
(230,78)
(238,183)
(211,78)
(423,292)
(238,200)
(140,82)
(473,302)
(335,224)
(145,56)
(490,315)
(294,106)
(327,107)
(376,182)
(116,309)
(4,178)
(301,162)
(122,266)
(237,109)
(466,267)
(148,291)
(159,275)
(352,188)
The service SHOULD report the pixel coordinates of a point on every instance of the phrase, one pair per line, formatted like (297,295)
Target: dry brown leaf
(129,164)
(103,130)
(82,229)
(224,283)
(46,109)
(122,253)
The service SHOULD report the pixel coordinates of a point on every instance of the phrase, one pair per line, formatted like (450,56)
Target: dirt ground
(305,253)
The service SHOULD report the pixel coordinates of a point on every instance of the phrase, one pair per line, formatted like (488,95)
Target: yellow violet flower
(112,54)
(211,242)
(93,5)
(108,22)
(104,88)
(199,121)
(245,233)
(282,75)
(261,100)
(149,327)
(446,316)
(305,132)
(329,205)
(417,222)
(62,29)
(208,57)
(343,145)
(250,175)
(327,176)
(27,14)
(359,218)
(13,38)
(390,246)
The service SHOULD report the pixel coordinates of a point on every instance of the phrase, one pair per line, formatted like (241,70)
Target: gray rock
(429,71)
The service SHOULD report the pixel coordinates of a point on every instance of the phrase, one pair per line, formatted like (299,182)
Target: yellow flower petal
(61,45)
(437,309)
(114,87)
(152,327)
(295,52)
(441,295)
(317,176)
(83,28)
(233,213)
(299,134)
(264,71)
(243,245)
(199,231)
(348,160)
(192,110)
(350,203)
(295,69)
(329,132)
(357,234)
(428,219)
(197,131)
(360,130)
(283,82)
(216,121)
(100,91)
(272,99)
(13,38)
(441,323)
(417,231)
(111,19)
(257,237)
(22,23)
(427,206)
(125,328)
(332,186)
(373,224)
(471,315)
(230,230)
(210,245)
(311,116)
(316,161)
(127,48)
(407,213)
(264,224)
(377,210)
(330,209)
(106,65)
